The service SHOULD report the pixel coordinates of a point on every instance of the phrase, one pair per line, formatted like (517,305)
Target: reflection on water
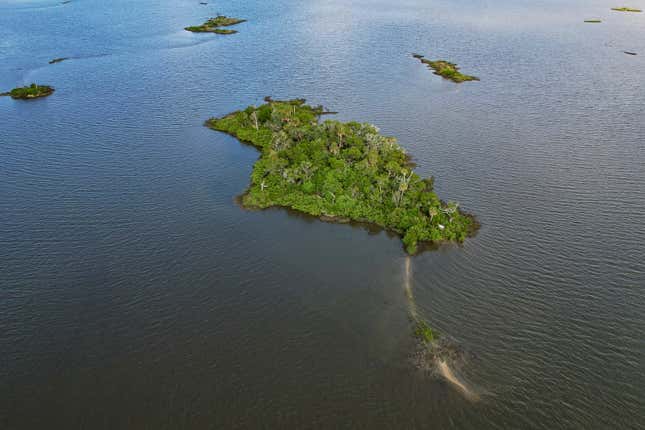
(407,285)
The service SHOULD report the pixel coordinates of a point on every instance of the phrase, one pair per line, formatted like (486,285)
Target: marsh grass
(424,332)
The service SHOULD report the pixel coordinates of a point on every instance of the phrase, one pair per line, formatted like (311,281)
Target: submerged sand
(443,369)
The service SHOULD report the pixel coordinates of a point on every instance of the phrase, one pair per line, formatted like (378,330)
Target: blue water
(135,292)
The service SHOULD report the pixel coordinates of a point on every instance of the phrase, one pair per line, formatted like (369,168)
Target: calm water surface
(135,293)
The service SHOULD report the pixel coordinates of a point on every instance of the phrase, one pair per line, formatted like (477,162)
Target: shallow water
(135,293)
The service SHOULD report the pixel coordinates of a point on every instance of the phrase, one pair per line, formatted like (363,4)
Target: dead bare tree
(254,117)
(450,209)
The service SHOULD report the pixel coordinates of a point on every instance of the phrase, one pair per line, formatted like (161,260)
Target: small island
(340,172)
(213,25)
(445,69)
(32,91)
(58,60)
(625,9)
(424,333)
(593,21)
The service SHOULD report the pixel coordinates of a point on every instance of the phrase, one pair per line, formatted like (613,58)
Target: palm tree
(404,182)
(433,212)
(342,132)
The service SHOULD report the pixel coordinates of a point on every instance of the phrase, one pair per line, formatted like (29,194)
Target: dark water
(135,293)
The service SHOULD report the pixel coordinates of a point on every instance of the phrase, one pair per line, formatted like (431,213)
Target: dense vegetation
(340,171)
(445,69)
(213,25)
(30,92)
(625,9)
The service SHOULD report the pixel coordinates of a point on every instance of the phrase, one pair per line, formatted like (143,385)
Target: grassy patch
(213,25)
(30,92)
(424,332)
(445,69)
(340,171)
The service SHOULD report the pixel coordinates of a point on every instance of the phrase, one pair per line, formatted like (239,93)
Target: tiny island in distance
(340,172)
(445,69)
(32,91)
(625,9)
(213,25)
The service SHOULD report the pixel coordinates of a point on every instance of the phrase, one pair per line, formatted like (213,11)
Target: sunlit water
(135,293)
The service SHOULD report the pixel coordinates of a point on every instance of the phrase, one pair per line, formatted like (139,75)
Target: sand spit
(429,355)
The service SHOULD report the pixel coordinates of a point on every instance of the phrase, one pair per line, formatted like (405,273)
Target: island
(32,91)
(625,9)
(213,25)
(593,21)
(58,60)
(340,172)
(445,69)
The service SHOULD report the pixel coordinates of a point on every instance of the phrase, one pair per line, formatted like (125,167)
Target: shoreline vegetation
(32,91)
(213,25)
(340,172)
(445,69)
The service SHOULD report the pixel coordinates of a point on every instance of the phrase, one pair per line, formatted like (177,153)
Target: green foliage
(446,69)
(30,92)
(340,170)
(424,332)
(223,21)
(213,24)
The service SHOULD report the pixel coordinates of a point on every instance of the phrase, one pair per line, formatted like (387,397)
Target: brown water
(135,293)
